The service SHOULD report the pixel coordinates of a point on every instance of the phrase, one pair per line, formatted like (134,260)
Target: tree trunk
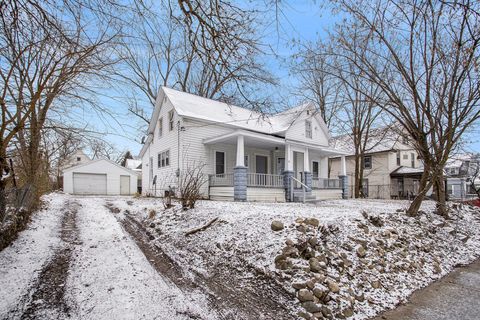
(357,177)
(439,189)
(422,191)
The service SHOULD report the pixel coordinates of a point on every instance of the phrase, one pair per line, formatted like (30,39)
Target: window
(219,162)
(79,159)
(170,120)
(245,162)
(398,158)
(405,156)
(164,159)
(367,162)
(160,127)
(315,169)
(412,159)
(308,129)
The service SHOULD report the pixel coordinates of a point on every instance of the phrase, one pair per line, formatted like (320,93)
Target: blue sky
(303,20)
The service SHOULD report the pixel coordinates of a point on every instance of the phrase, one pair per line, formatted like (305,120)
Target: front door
(261,164)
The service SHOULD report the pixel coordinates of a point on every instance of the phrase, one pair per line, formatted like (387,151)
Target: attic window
(308,129)
(170,120)
(79,159)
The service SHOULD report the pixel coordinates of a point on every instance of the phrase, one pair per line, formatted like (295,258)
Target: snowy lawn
(322,267)
(21,262)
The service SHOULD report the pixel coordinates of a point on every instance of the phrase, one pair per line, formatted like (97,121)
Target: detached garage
(99,177)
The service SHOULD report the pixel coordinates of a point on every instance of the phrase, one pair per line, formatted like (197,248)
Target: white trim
(250,134)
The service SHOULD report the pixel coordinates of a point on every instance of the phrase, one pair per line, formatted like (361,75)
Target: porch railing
(220,180)
(323,183)
(264,180)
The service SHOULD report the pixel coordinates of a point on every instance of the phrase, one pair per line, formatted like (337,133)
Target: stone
(299,285)
(313,241)
(312,221)
(347,313)
(304,315)
(375,284)
(359,296)
(289,242)
(290,252)
(315,265)
(326,311)
(299,220)
(277,225)
(333,286)
(436,268)
(311,283)
(361,252)
(320,291)
(312,307)
(305,295)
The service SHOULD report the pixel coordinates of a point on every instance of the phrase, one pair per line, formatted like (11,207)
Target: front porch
(256,167)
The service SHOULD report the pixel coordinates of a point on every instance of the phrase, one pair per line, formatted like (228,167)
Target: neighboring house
(462,171)
(78,158)
(391,166)
(247,156)
(99,177)
(136,166)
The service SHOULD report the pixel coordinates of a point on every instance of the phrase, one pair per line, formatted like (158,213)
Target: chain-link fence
(16,205)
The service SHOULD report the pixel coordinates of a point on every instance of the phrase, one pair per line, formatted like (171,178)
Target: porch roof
(255,139)
(403,171)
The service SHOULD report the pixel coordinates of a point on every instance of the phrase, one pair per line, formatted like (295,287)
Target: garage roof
(98,160)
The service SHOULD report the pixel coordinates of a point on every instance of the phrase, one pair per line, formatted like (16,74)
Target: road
(454,297)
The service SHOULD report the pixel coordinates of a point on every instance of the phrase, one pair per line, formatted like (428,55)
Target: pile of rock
(335,272)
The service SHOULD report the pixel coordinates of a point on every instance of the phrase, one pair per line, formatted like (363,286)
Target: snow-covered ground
(111,278)
(108,276)
(234,262)
(21,262)
(402,254)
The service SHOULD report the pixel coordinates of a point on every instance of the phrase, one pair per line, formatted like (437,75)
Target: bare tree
(191,182)
(318,82)
(48,54)
(208,48)
(101,149)
(424,57)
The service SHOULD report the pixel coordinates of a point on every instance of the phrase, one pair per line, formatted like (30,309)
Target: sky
(303,20)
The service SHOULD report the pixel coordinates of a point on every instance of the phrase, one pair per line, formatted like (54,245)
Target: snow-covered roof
(133,164)
(193,106)
(110,162)
(379,140)
(407,170)
(457,160)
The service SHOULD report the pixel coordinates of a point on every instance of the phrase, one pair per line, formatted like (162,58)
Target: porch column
(307,175)
(240,173)
(288,173)
(343,177)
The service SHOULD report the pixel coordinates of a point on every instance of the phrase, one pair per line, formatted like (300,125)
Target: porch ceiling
(251,139)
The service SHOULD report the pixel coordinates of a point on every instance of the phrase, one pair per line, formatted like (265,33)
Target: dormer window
(308,129)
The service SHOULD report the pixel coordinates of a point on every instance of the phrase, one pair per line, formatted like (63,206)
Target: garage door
(89,183)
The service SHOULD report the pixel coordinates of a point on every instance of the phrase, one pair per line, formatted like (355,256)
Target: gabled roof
(379,140)
(192,106)
(98,160)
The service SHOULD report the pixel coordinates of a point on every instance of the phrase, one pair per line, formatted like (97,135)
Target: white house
(246,155)
(136,166)
(463,175)
(99,177)
(391,166)
(78,158)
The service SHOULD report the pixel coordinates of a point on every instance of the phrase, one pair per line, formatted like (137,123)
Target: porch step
(298,197)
